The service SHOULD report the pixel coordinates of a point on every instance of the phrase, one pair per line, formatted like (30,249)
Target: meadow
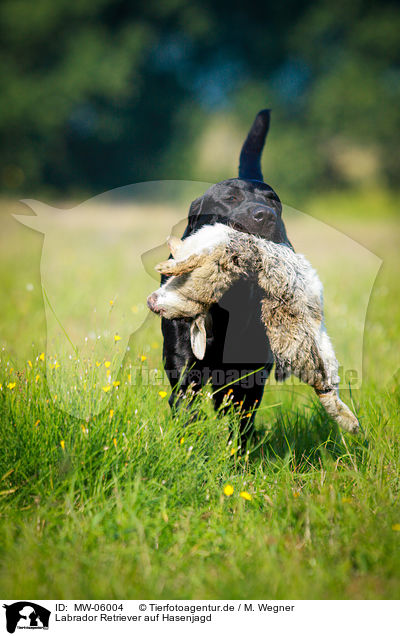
(104,494)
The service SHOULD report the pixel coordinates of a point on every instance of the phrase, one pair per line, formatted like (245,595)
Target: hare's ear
(174,244)
(198,337)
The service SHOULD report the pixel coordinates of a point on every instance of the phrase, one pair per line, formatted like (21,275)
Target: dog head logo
(26,615)
(97,271)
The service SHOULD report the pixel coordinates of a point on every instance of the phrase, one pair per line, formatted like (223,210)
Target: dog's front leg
(182,368)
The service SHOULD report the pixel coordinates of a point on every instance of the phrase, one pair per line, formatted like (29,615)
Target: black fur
(236,342)
(250,156)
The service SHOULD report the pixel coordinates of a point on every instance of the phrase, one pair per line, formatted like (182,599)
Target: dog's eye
(231,198)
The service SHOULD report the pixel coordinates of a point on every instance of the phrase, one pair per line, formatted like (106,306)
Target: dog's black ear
(194,211)
(250,156)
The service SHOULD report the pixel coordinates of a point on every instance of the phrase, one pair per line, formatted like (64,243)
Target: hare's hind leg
(339,411)
(329,397)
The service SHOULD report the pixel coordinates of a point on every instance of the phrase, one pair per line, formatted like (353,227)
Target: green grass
(130,502)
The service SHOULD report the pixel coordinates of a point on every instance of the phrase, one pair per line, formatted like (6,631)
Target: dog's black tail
(250,156)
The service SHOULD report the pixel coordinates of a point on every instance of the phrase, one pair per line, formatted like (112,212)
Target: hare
(206,264)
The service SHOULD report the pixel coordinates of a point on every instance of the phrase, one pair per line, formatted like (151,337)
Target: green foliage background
(100,93)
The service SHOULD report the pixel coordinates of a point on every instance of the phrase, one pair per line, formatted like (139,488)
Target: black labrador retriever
(238,359)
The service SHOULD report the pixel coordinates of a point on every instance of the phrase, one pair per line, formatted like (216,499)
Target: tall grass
(130,502)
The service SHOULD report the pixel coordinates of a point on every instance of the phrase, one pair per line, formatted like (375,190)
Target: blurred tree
(101,93)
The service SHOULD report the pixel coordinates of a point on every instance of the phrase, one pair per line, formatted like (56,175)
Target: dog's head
(246,205)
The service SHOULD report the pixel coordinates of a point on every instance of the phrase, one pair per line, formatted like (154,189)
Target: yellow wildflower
(228,490)
(182,440)
(11,385)
(98,364)
(111,302)
(246,495)
(106,388)
(37,423)
(37,378)
(162,394)
(116,383)
(41,357)
(117,337)
(233,451)
(111,413)
(143,358)
(129,378)
(30,364)
(107,364)
(62,444)
(115,442)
